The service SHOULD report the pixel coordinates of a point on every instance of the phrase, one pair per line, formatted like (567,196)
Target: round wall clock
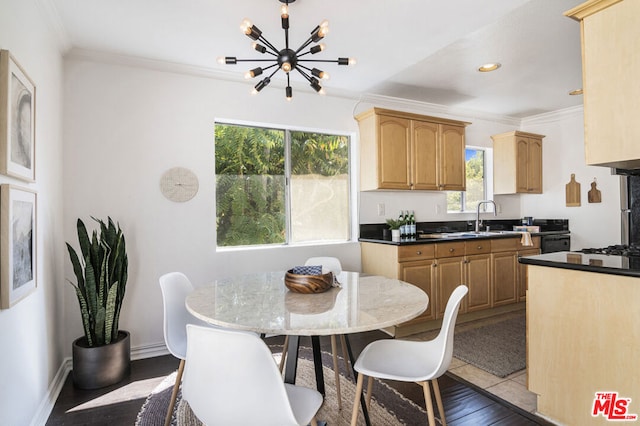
(179,184)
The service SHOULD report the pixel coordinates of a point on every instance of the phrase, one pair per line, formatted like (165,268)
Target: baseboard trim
(55,387)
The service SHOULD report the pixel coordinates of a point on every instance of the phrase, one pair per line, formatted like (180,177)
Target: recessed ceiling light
(576,92)
(489,67)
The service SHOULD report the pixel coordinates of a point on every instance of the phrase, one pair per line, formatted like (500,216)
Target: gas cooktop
(632,250)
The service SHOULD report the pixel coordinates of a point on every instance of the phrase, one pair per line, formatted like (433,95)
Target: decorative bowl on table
(308,284)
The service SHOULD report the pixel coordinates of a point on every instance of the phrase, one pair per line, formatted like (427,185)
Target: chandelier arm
(269,45)
(319,60)
(304,74)
(254,60)
(305,44)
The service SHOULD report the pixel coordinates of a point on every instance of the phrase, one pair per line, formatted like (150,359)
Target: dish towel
(526,239)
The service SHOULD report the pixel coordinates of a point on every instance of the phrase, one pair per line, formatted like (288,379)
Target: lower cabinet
(488,267)
(505,277)
(522,274)
(450,274)
(421,274)
(478,271)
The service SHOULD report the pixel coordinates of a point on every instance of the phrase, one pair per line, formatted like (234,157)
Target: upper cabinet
(610,64)
(517,163)
(407,151)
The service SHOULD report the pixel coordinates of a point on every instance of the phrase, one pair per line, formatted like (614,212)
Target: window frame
(351,185)
(487,180)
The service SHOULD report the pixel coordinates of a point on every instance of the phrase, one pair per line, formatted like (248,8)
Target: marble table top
(261,303)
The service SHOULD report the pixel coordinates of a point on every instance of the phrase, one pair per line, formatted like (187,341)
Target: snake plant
(101,276)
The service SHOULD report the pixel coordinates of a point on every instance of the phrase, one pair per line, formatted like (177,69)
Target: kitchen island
(583,336)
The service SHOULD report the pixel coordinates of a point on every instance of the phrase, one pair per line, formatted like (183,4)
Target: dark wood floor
(465,404)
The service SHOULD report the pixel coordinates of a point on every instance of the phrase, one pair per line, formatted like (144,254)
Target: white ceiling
(423,50)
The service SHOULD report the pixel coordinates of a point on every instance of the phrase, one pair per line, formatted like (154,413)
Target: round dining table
(260,302)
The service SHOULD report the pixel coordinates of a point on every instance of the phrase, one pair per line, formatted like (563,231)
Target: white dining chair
(175,287)
(230,379)
(411,361)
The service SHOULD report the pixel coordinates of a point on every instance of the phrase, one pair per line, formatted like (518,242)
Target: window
(476,162)
(276,186)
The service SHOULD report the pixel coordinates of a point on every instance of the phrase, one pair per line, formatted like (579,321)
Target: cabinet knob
(418,252)
(479,247)
(451,250)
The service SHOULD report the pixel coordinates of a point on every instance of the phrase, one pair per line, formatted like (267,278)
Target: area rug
(498,348)
(388,406)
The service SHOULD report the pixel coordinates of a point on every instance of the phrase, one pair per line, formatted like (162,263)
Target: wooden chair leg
(174,394)
(356,401)
(345,356)
(285,348)
(369,391)
(428,403)
(334,353)
(436,391)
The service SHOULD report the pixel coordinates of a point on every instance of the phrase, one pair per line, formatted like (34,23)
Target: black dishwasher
(555,242)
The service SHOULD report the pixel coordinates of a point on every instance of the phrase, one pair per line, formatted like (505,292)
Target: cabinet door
(424,155)
(450,274)
(505,276)
(452,173)
(393,153)
(522,274)
(478,274)
(522,164)
(421,274)
(534,169)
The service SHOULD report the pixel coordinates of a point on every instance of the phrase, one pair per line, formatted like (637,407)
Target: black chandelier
(286,59)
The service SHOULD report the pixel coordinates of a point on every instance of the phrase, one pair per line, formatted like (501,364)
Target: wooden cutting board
(573,192)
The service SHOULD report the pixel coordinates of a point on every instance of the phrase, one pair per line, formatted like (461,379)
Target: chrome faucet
(478,221)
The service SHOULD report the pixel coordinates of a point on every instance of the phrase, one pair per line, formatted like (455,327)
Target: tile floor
(512,388)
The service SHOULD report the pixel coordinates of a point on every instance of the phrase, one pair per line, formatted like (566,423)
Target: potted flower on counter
(394,225)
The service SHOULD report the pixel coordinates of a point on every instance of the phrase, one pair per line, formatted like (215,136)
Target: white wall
(30,353)
(123,127)
(591,224)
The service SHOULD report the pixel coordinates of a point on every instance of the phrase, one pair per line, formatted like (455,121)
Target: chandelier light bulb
(286,67)
(325,24)
(284,11)
(352,61)
(220,60)
(245,25)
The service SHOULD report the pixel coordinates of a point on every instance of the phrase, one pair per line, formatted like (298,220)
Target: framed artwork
(17,120)
(17,244)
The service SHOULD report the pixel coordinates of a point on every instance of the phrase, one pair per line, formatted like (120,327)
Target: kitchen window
(476,165)
(280,186)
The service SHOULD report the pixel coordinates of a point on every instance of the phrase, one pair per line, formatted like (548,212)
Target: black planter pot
(101,366)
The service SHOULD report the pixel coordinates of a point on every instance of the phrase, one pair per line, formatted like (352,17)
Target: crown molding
(434,109)
(554,116)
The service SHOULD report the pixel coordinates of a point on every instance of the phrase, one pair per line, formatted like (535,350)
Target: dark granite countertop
(599,263)
(462,236)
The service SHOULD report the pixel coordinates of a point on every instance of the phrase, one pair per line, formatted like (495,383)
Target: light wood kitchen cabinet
(450,274)
(610,63)
(505,276)
(405,151)
(522,273)
(478,279)
(517,163)
(488,267)
(421,274)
